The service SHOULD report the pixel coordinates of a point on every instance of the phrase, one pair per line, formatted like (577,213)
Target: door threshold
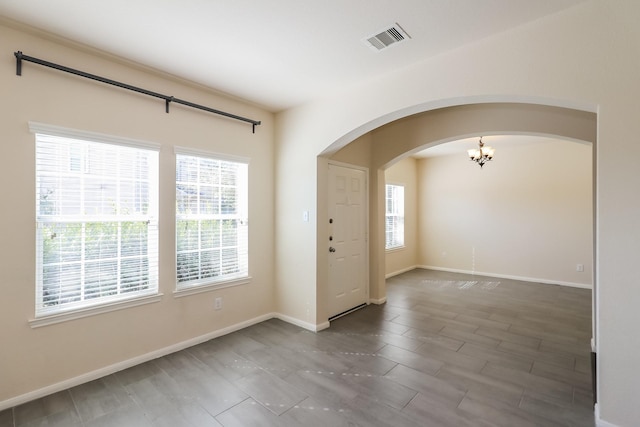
(344,313)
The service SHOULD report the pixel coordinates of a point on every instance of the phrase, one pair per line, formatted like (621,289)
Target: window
(97,222)
(211,220)
(394,216)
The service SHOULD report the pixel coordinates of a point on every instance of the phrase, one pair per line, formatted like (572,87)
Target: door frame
(366,227)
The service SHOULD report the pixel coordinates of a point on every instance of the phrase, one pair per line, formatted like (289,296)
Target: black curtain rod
(167,99)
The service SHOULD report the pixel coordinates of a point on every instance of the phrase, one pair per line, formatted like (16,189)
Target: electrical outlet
(579,268)
(217,305)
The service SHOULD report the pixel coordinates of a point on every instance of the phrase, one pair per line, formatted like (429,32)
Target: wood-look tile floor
(445,350)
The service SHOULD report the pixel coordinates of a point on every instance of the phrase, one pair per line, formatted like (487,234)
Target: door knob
(332,249)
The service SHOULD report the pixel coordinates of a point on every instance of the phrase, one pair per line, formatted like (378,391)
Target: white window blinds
(211,220)
(97,223)
(394,218)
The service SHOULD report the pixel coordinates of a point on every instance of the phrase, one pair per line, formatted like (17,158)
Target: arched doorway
(525,216)
(387,144)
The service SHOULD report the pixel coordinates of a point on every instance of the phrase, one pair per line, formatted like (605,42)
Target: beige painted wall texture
(583,58)
(357,153)
(31,359)
(527,214)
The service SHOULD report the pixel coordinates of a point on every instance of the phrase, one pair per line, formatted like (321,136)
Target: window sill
(207,287)
(396,249)
(52,319)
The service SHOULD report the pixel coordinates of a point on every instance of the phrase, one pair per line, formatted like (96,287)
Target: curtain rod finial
(18,55)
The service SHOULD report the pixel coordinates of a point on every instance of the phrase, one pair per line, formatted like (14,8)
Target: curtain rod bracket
(167,99)
(18,63)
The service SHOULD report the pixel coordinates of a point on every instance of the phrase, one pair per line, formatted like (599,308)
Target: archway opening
(380,148)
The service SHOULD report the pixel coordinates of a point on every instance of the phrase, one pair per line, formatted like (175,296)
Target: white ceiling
(276,53)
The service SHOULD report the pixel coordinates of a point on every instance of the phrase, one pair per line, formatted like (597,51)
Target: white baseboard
(305,325)
(508,276)
(404,270)
(378,301)
(599,422)
(116,367)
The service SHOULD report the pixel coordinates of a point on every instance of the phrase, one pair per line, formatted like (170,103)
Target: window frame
(88,307)
(399,212)
(211,283)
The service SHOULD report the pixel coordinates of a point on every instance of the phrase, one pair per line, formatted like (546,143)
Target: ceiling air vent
(387,37)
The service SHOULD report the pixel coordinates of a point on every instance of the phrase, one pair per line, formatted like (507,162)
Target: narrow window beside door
(394,217)
(211,220)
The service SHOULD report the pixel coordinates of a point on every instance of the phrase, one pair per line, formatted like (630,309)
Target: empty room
(336,213)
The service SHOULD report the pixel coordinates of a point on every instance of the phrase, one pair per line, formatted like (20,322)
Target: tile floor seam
(290,385)
(410,400)
(215,417)
(575,363)
(522,395)
(390,369)
(75,405)
(466,394)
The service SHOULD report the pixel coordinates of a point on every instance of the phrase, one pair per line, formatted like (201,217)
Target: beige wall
(582,58)
(525,215)
(405,173)
(32,359)
(357,153)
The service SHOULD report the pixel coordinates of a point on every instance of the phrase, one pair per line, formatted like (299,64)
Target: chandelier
(482,154)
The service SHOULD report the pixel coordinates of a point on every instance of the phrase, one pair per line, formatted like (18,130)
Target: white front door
(347,241)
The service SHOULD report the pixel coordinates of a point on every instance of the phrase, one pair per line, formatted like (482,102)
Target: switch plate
(305,216)
(217,305)
(579,268)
